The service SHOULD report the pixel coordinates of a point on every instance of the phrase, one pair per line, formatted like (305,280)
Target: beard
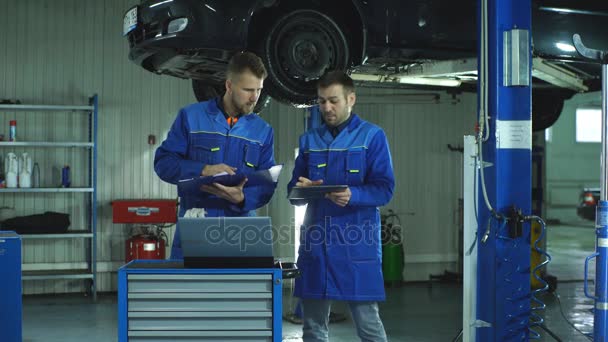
(244,108)
(332,118)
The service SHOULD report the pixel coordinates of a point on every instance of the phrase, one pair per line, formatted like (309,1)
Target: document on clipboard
(313,192)
(268,177)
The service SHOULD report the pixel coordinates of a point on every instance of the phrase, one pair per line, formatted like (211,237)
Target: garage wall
(571,166)
(62,52)
(429,175)
(287,123)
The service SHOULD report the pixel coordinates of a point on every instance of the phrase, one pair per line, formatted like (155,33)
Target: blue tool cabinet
(10,287)
(160,300)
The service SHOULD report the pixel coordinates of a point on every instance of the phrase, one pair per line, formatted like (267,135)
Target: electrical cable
(475,203)
(566,319)
(482,83)
(484,126)
(483,180)
(483,115)
(458,337)
(551,333)
(475,197)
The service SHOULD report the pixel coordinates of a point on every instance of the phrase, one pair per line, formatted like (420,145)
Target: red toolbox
(144,211)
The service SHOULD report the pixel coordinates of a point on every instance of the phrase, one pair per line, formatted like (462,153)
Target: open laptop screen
(226,242)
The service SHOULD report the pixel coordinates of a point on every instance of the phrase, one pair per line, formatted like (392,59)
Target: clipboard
(192,186)
(313,192)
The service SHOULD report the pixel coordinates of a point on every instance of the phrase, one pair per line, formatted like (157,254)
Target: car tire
(547,105)
(298,49)
(204,91)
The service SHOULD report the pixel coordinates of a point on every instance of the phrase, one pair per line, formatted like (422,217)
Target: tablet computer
(313,192)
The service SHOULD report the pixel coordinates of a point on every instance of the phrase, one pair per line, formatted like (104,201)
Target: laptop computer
(226,242)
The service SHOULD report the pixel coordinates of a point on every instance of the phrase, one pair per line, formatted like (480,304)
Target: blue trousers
(366,316)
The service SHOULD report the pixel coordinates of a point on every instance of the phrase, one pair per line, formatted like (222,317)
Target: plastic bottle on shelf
(2,180)
(12,134)
(65,176)
(25,171)
(11,170)
(36,176)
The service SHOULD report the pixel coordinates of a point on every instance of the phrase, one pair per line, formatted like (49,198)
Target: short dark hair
(246,61)
(337,77)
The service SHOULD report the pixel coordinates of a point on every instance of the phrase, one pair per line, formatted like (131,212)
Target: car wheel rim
(302,46)
(305,53)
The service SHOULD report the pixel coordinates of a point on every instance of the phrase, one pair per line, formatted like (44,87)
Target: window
(588,125)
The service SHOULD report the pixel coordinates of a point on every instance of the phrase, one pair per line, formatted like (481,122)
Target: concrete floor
(414,312)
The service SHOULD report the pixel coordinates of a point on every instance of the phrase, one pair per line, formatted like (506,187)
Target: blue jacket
(199,136)
(340,251)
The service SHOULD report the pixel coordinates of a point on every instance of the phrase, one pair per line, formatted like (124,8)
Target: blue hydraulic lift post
(600,312)
(503,299)
(600,316)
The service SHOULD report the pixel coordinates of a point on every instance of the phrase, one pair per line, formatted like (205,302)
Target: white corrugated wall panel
(288,124)
(428,175)
(62,52)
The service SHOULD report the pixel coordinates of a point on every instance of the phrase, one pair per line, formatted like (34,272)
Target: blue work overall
(201,136)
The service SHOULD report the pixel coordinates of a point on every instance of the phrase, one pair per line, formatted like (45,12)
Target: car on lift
(588,200)
(403,43)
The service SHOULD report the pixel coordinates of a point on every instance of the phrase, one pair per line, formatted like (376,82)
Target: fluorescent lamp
(557,75)
(565,47)
(440,82)
(367,77)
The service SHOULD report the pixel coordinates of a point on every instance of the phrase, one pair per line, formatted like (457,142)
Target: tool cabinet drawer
(191,283)
(204,336)
(200,302)
(200,321)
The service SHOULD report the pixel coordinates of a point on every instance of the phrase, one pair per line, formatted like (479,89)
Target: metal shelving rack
(88,234)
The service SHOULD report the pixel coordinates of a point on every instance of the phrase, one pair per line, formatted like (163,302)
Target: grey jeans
(365,316)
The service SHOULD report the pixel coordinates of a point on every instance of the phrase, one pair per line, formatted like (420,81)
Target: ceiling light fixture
(440,82)
(565,47)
